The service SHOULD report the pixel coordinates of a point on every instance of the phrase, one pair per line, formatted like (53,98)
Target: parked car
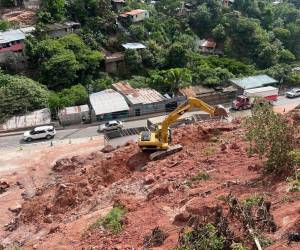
(111,125)
(293,93)
(42,132)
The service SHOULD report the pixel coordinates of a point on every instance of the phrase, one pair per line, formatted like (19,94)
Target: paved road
(14,141)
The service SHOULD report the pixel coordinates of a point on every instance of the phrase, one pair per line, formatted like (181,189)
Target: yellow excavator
(159,139)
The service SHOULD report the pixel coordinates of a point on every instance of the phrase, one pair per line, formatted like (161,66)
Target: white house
(134,16)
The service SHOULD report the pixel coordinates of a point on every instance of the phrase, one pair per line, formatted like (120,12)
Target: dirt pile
(20,17)
(77,180)
(166,194)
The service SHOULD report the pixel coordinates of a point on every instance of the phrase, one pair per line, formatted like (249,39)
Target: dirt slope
(164,193)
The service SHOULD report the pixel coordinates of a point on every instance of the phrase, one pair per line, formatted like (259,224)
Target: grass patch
(238,246)
(203,237)
(252,200)
(201,176)
(112,221)
(209,151)
(222,198)
(294,182)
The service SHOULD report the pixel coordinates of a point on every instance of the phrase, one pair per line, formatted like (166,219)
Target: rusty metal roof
(138,96)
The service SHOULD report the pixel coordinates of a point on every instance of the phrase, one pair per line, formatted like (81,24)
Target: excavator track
(164,153)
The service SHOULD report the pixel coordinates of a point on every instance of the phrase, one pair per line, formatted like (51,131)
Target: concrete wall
(139,17)
(31,4)
(59,33)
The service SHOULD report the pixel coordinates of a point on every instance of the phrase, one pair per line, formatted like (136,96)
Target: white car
(111,125)
(293,93)
(42,132)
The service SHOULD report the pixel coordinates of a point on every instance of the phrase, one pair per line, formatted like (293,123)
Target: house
(141,101)
(210,95)
(12,41)
(117,5)
(134,16)
(252,82)
(114,62)
(209,46)
(61,29)
(133,46)
(296,70)
(227,3)
(74,115)
(107,105)
(31,4)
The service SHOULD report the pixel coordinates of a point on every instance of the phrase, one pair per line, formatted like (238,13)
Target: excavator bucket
(220,111)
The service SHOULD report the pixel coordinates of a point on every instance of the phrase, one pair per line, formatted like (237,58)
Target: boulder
(159,190)
(181,217)
(16,209)
(149,179)
(3,186)
(107,149)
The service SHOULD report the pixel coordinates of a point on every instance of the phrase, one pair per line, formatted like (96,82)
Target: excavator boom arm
(185,107)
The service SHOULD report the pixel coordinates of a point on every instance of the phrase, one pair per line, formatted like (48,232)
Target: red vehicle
(246,101)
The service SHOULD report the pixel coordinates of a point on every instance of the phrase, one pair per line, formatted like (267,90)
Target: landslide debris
(166,195)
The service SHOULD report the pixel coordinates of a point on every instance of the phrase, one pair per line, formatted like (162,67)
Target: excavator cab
(161,137)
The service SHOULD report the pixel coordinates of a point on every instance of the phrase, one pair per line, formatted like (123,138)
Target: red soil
(83,189)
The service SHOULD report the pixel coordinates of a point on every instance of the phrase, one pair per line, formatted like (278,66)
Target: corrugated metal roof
(134,12)
(134,46)
(138,96)
(263,89)
(108,101)
(123,88)
(145,96)
(187,92)
(254,81)
(11,35)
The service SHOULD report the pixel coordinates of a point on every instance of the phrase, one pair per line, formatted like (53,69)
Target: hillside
(174,194)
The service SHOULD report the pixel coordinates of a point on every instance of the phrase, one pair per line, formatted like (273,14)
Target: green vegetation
(4,25)
(202,238)
(208,151)
(271,136)
(238,246)
(112,221)
(20,94)
(255,37)
(254,200)
(201,176)
(63,62)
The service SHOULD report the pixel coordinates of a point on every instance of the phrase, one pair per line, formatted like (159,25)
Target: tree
(4,25)
(102,83)
(60,70)
(19,95)
(170,81)
(68,56)
(219,33)
(74,96)
(177,56)
(56,8)
(133,60)
(271,136)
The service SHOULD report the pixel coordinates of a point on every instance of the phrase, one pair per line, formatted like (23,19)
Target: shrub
(201,176)
(252,201)
(112,222)
(270,136)
(202,238)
